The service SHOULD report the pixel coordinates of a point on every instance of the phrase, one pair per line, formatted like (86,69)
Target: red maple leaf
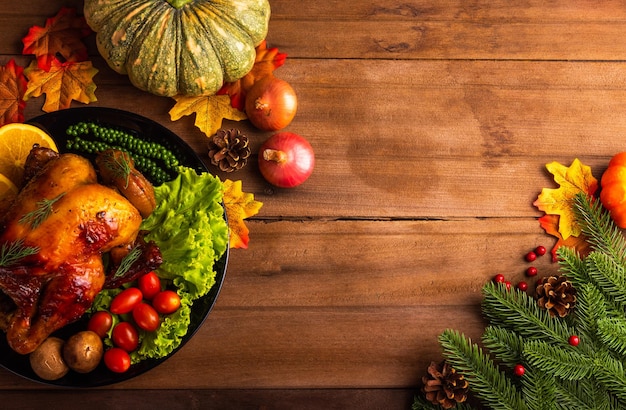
(12,89)
(267,60)
(61,37)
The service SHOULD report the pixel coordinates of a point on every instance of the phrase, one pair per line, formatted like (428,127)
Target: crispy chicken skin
(56,285)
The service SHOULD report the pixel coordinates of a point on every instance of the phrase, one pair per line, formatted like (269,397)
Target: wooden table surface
(432,122)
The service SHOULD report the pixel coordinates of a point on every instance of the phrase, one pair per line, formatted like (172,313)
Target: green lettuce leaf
(189,227)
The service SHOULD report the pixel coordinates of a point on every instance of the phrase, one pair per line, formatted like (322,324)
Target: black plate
(55,124)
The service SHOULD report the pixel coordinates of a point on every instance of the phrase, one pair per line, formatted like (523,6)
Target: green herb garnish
(41,212)
(119,166)
(126,263)
(11,253)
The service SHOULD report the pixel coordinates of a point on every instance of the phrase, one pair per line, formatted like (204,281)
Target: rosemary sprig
(126,263)
(13,252)
(42,211)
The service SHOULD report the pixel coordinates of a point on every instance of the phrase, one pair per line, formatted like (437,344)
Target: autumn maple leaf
(210,111)
(229,101)
(12,89)
(571,180)
(550,224)
(63,83)
(267,60)
(61,37)
(239,206)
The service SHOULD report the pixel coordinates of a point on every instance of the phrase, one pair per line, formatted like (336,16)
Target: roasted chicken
(53,239)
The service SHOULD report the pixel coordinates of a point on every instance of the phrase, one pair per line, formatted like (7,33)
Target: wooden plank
(416,29)
(456,136)
(360,347)
(248,399)
(380,263)
(451,29)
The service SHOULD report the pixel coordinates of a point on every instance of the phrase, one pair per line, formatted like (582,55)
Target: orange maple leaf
(571,180)
(12,89)
(61,36)
(550,224)
(63,83)
(210,111)
(239,206)
(267,60)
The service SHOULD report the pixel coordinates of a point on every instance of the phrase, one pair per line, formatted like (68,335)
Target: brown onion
(271,104)
(286,160)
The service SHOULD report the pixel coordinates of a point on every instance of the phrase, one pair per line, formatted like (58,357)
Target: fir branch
(608,275)
(610,372)
(596,223)
(612,332)
(557,360)
(504,344)
(581,394)
(591,306)
(500,305)
(420,403)
(486,381)
(572,266)
(539,391)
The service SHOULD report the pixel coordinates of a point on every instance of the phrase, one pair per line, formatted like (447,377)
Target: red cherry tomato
(117,360)
(100,323)
(146,317)
(126,301)
(149,284)
(125,335)
(166,302)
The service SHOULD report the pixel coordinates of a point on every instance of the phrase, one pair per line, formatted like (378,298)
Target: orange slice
(16,141)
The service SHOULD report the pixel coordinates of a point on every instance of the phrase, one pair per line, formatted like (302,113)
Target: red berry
(499,278)
(573,340)
(540,250)
(531,271)
(519,370)
(523,286)
(507,284)
(531,256)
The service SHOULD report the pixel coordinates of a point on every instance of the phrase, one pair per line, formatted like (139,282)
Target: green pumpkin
(179,47)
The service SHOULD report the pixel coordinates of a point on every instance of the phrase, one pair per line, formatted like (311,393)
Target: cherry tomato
(146,317)
(149,284)
(100,323)
(126,301)
(117,360)
(125,335)
(166,302)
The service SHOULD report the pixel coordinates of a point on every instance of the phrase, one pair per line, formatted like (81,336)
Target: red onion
(271,104)
(286,160)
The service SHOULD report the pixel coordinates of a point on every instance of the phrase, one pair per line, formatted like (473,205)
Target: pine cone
(444,386)
(556,294)
(229,150)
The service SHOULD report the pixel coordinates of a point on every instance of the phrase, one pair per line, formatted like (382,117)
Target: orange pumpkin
(613,194)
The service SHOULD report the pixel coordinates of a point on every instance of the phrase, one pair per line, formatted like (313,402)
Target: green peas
(153,159)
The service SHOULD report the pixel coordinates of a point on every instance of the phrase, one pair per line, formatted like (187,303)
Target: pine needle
(500,305)
(505,344)
(558,361)
(486,381)
(597,225)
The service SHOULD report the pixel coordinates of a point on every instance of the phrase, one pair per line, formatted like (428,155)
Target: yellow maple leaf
(559,201)
(62,83)
(239,206)
(210,111)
